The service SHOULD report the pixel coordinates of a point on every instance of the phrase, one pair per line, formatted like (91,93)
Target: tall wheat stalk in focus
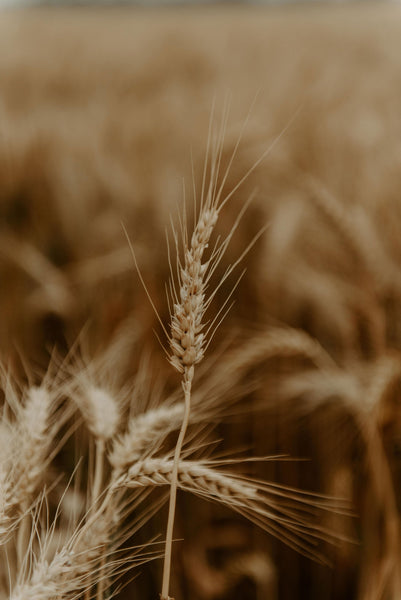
(188,336)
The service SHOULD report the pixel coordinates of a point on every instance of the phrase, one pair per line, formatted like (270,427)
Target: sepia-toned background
(104,114)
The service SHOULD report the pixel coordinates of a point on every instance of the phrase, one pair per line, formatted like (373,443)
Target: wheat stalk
(188,333)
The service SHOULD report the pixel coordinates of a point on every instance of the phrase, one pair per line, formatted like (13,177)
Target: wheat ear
(72,568)
(187,344)
(102,415)
(188,337)
(283,512)
(38,420)
(144,432)
(188,332)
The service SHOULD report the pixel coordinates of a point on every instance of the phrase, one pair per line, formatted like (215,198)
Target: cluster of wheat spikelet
(48,554)
(328,266)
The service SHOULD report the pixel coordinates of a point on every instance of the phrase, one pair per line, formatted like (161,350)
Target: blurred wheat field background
(104,114)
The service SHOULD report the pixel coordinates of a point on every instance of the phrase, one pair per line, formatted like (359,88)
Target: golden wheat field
(200,303)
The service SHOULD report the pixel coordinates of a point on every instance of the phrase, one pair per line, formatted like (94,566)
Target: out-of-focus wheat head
(312,343)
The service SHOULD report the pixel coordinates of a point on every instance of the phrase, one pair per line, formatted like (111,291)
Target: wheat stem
(187,385)
(101,584)
(384,488)
(23,535)
(99,462)
(97,484)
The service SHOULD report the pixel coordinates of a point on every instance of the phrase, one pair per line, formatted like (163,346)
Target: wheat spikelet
(36,439)
(89,557)
(282,512)
(101,412)
(187,340)
(188,287)
(38,422)
(99,409)
(31,423)
(342,220)
(192,475)
(146,430)
(72,567)
(280,343)
(213,397)
(7,518)
(143,433)
(8,451)
(93,382)
(187,337)
(357,230)
(362,390)
(320,387)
